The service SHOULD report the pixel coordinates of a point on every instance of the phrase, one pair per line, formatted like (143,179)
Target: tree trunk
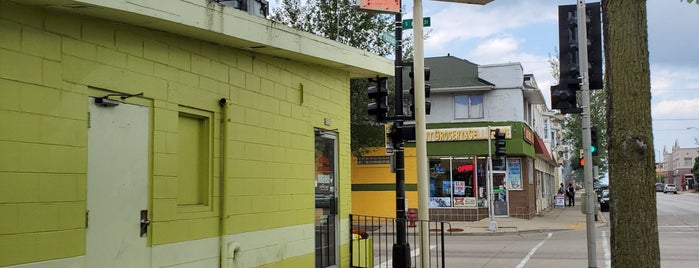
(634,222)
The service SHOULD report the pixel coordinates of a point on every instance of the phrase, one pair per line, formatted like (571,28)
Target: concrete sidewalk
(556,219)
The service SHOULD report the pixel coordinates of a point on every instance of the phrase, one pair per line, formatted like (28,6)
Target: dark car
(604,200)
(659,187)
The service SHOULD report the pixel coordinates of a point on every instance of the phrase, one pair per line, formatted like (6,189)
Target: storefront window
(454,182)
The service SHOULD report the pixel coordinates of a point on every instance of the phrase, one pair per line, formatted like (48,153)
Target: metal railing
(372,239)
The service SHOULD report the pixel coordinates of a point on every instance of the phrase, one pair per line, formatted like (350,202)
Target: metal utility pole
(493,225)
(401,249)
(423,189)
(585,92)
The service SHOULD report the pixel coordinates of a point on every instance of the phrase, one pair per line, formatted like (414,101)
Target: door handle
(144,223)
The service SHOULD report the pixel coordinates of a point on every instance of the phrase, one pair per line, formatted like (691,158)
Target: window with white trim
(468,106)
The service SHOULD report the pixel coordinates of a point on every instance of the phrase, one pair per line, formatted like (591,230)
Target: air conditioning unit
(258,8)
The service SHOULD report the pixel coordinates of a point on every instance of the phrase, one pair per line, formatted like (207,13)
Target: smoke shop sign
(465,134)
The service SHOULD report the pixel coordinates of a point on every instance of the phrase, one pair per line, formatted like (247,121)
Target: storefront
(458,175)
(460,179)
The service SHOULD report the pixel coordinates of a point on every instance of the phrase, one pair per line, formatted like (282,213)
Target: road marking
(679,226)
(413,253)
(532,251)
(607,253)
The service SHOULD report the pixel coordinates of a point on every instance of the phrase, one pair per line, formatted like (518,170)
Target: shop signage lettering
(528,136)
(464,134)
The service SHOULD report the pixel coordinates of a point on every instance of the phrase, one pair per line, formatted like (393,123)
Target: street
(678,225)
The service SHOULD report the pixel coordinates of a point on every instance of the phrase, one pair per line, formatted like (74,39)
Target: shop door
(326,199)
(500,194)
(117,186)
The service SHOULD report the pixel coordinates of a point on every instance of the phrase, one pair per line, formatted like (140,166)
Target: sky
(526,31)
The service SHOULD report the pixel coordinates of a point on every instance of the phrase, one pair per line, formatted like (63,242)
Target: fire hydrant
(412,215)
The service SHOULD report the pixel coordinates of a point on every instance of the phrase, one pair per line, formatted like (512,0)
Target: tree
(634,226)
(337,20)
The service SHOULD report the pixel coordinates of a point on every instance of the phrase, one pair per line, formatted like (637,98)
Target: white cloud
(461,23)
(669,80)
(678,108)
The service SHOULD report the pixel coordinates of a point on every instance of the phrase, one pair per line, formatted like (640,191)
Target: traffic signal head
(500,143)
(428,89)
(564,98)
(568,43)
(379,95)
(593,141)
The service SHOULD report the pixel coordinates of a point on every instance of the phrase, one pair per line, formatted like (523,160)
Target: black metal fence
(372,239)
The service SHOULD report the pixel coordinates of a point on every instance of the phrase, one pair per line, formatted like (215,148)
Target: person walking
(571,195)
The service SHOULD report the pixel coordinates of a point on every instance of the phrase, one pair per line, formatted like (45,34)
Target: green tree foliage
(695,168)
(633,215)
(337,20)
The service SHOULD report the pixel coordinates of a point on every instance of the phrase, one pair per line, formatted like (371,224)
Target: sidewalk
(556,219)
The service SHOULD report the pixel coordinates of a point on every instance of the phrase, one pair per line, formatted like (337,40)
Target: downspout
(223,102)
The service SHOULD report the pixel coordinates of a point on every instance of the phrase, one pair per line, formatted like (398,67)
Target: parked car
(670,188)
(604,200)
(659,187)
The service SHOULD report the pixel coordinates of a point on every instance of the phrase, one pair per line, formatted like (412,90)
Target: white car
(670,188)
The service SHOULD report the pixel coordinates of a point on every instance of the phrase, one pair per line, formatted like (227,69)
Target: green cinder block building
(172,134)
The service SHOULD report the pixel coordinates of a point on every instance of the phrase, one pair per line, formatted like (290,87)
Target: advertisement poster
(459,202)
(459,187)
(446,187)
(440,202)
(514,174)
(465,202)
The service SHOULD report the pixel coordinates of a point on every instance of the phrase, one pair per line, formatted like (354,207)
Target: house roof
(449,72)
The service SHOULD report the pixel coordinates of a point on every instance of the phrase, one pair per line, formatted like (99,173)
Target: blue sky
(526,31)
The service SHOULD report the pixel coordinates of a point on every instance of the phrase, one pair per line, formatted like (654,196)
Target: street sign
(381,6)
(389,38)
(408,23)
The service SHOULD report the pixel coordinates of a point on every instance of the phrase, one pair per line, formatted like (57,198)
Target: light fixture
(107,102)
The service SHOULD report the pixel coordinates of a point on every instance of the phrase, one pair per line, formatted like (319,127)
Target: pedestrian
(571,195)
(562,189)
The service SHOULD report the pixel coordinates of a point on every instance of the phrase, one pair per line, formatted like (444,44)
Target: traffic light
(582,161)
(593,141)
(568,45)
(428,88)
(563,98)
(379,95)
(500,143)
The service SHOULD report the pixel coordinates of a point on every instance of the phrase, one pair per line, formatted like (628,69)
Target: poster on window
(514,174)
(459,187)
(465,202)
(446,187)
(440,202)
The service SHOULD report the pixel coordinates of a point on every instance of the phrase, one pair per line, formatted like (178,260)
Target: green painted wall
(52,62)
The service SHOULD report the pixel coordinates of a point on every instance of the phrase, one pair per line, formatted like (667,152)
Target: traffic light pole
(587,169)
(401,249)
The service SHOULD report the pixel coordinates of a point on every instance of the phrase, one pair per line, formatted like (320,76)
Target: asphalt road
(678,226)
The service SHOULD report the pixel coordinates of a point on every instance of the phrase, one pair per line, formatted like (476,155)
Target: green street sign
(408,23)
